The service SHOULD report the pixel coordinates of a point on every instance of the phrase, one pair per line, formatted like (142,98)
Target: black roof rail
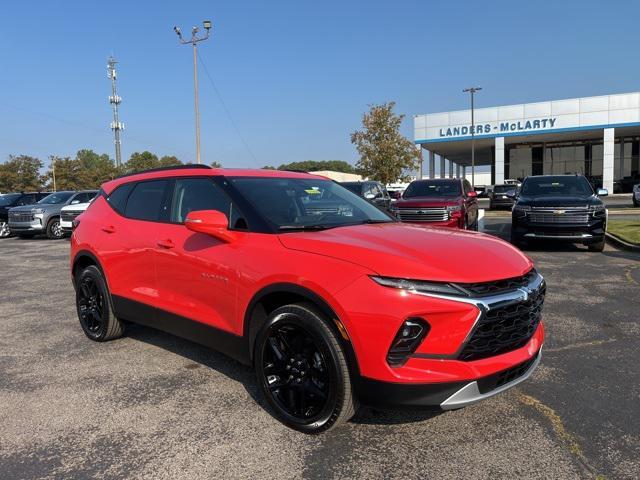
(161,169)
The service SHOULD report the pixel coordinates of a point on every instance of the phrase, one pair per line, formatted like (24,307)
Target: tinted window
(540,186)
(354,187)
(145,200)
(118,198)
(40,196)
(195,194)
(433,188)
(503,188)
(84,197)
(56,198)
(8,199)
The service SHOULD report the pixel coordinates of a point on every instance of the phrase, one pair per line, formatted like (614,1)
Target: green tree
(96,169)
(215,164)
(20,173)
(269,167)
(316,165)
(69,174)
(169,161)
(141,161)
(385,154)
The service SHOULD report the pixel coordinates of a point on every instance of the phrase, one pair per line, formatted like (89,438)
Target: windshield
(55,198)
(503,188)
(541,186)
(353,187)
(8,199)
(290,204)
(426,188)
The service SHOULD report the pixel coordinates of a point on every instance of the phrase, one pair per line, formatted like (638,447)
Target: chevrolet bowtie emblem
(559,212)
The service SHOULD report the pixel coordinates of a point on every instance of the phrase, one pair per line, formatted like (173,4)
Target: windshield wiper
(305,228)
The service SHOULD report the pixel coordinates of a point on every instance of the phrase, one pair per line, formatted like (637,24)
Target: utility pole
(193,41)
(115,100)
(472,91)
(53,171)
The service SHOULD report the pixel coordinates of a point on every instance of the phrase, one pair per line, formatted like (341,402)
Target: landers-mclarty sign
(499,127)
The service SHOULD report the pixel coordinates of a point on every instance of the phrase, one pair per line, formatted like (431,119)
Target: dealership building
(595,136)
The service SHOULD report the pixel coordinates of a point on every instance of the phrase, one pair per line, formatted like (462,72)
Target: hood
(560,201)
(78,207)
(427,202)
(24,208)
(416,252)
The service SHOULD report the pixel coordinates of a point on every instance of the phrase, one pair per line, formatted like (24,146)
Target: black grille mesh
(499,286)
(504,329)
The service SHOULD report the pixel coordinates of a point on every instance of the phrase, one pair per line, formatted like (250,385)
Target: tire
(597,247)
(94,306)
(54,230)
(302,370)
(4,230)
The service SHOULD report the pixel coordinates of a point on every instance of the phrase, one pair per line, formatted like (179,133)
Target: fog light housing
(409,336)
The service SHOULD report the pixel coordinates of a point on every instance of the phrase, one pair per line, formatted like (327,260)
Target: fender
(252,324)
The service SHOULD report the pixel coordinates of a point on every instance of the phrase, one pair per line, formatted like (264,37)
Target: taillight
(74,223)
(409,336)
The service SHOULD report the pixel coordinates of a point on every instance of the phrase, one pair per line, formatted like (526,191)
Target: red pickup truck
(445,202)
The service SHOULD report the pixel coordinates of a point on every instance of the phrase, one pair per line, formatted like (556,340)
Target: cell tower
(115,100)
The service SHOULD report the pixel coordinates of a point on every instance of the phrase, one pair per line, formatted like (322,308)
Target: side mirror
(472,194)
(369,196)
(602,192)
(210,222)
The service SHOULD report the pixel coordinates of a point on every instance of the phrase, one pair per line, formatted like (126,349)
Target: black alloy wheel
(302,370)
(93,304)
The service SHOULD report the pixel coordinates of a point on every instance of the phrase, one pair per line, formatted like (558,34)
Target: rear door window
(146,201)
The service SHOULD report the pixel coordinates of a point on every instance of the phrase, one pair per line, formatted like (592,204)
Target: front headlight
(598,210)
(37,210)
(521,210)
(454,208)
(419,286)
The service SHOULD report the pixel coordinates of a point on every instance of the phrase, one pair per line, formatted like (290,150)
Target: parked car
(371,191)
(502,196)
(636,195)
(331,310)
(559,208)
(44,216)
(447,202)
(69,213)
(395,195)
(10,200)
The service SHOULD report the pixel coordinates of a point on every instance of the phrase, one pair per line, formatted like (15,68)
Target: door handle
(109,229)
(165,243)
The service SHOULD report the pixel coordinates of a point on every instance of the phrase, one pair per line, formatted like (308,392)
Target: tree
(21,173)
(69,174)
(385,154)
(96,169)
(169,161)
(141,161)
(269,167)
(215,164)
(316,165)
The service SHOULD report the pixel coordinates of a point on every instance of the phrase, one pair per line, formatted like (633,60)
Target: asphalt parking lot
(154,406)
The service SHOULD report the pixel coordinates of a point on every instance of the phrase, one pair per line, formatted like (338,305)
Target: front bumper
(591,232)
(444,395)
(66,226)
(34,226)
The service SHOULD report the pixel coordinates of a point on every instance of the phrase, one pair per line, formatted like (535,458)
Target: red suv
(444,202)
(332,301)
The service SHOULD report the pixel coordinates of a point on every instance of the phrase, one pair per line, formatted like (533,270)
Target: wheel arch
(276,295)
(83,259)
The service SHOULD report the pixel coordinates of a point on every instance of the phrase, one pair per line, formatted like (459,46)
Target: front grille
(21,217)
(504,329)
(499,286)
(559,215)
(423,214)
(499,379)
(69,216)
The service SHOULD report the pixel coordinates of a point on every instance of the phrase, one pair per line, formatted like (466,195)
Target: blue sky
(296,75)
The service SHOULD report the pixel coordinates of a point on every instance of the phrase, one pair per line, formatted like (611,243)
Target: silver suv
(44,216)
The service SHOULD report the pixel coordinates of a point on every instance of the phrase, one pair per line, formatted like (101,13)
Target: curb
(618,242)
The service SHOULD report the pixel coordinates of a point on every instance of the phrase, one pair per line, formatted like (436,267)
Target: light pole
(472,91)
(193,41)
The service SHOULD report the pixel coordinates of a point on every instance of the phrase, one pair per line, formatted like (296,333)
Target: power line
(226,109)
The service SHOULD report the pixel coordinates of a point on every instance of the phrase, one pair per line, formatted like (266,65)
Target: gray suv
(44,216)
